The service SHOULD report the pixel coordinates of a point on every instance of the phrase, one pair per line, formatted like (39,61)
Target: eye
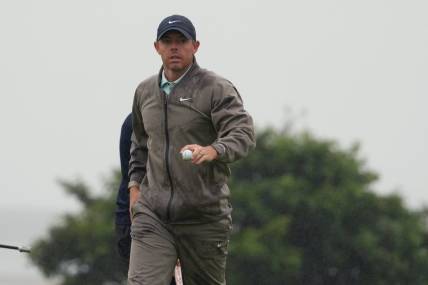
(166,40)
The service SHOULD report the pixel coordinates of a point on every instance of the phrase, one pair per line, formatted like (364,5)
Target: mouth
(175,58)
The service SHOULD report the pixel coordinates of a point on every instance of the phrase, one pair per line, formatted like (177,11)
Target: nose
(174,45)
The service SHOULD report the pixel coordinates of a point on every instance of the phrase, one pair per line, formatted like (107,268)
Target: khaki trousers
(155,247)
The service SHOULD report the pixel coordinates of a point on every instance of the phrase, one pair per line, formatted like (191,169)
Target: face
(176,51)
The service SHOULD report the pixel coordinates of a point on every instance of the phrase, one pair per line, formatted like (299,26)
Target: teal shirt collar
(166,85)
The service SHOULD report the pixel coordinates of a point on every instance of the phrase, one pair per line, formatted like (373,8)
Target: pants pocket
(213,248)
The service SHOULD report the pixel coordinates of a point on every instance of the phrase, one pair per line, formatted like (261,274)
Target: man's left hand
(201,154)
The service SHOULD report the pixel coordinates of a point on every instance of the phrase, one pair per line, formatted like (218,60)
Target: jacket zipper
(168,210)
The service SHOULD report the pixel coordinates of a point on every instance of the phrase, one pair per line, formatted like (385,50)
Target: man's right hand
(134,193)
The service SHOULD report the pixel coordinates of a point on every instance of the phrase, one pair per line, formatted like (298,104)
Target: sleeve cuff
(133,184)
(220,149)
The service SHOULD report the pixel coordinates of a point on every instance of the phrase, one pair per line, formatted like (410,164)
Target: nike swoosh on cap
(172,22)
(185,99)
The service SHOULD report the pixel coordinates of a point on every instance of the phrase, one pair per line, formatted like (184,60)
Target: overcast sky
(351,71)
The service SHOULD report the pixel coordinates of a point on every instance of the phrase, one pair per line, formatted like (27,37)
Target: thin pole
(19,248)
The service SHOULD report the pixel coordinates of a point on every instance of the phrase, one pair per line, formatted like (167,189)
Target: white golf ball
(186,154)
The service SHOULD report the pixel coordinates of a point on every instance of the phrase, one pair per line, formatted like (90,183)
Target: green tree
(304,213)
(81,249)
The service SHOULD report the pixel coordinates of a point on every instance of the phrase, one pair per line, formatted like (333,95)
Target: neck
(173,75)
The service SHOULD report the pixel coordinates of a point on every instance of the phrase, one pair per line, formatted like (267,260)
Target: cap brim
(186,34)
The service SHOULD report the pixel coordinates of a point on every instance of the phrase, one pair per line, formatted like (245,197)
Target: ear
(156,45)
(196,45)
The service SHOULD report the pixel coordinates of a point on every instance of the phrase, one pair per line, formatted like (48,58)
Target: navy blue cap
(177,23)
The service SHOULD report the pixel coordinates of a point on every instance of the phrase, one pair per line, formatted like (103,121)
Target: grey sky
(68,69)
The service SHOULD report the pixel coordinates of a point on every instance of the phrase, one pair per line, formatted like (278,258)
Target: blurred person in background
(123,220)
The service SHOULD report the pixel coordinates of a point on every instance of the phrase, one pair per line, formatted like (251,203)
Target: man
(181,208)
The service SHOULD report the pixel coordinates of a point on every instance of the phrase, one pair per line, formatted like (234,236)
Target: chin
(176,67)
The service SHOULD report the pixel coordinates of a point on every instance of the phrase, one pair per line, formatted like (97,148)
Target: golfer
(181,208)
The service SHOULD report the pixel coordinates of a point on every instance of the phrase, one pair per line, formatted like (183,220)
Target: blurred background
(326,76)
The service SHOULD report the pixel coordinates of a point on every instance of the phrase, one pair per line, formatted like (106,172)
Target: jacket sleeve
(138,151)
(234,126)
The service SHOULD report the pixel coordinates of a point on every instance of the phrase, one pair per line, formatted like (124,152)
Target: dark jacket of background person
(123,220)
(203,108)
